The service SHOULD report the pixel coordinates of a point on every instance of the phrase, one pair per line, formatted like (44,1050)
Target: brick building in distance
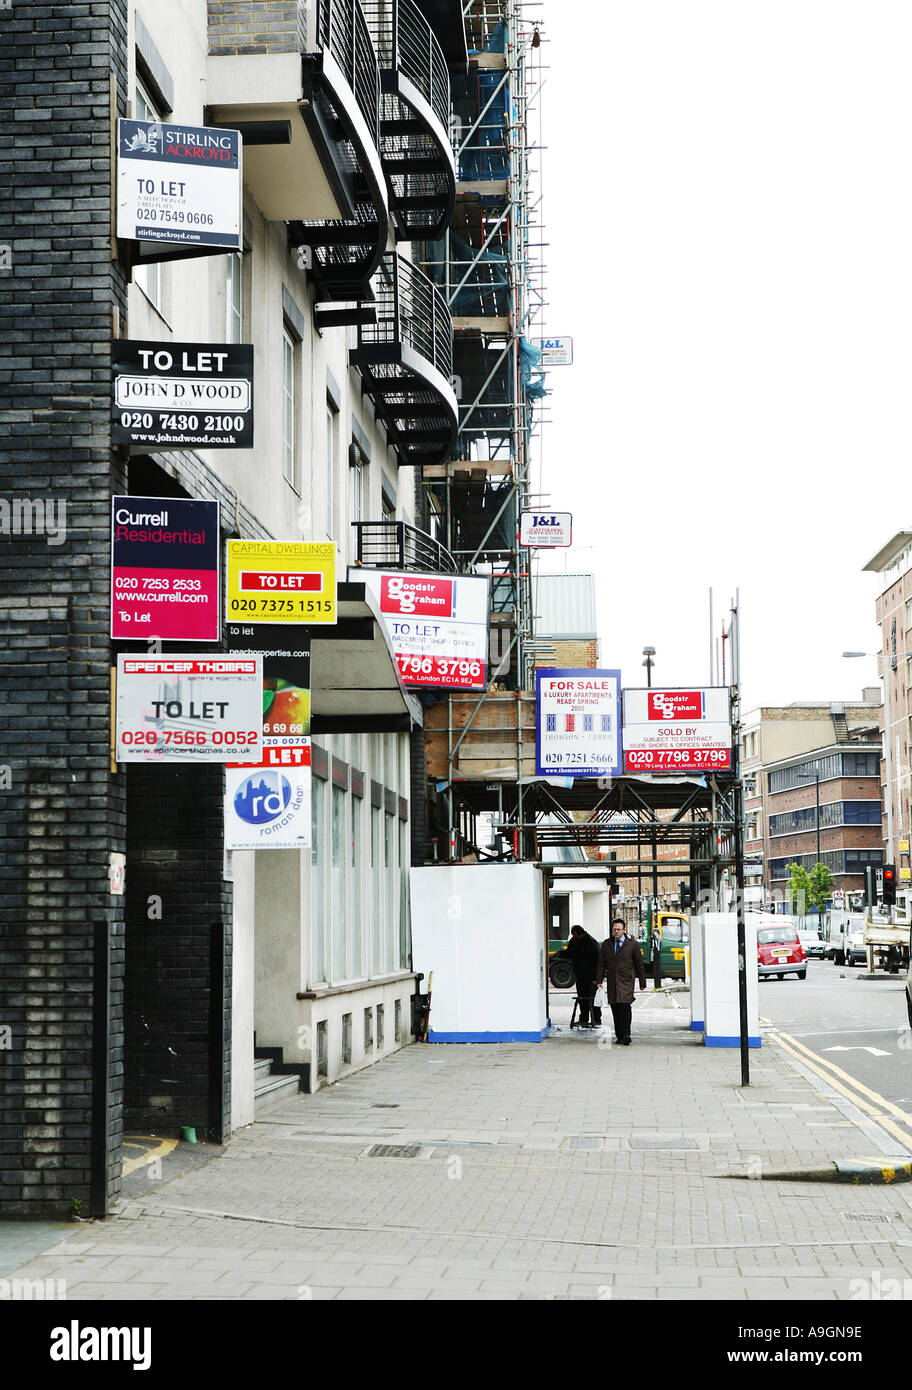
(796,758)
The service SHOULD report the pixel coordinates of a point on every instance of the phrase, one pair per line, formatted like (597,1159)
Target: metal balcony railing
(410,310)
(343,30)
(399,546)
(407,43)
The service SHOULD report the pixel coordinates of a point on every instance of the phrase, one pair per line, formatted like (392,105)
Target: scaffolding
(489,267)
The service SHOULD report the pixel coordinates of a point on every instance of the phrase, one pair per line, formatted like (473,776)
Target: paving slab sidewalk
(572,1168)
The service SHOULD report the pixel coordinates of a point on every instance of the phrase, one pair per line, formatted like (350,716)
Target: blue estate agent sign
(578,723)
(178,183)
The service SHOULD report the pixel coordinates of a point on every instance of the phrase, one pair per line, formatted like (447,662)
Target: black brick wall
(64,810)
(174,867)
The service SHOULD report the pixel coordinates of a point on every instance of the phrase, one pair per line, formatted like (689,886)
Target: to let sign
(164,569)
(182,393)
(178,183)
(677,730)
(190,708)
(281,582)
(438,625)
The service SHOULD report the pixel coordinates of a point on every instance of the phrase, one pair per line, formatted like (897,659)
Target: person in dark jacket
(620,962)
(655,946)
(583,951)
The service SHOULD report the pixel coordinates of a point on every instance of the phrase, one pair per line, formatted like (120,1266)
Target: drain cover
(394,1151)
(862,1216)
(384,1105)
(585,1141)
(663,1143)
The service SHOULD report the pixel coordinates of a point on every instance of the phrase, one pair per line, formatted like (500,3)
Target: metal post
(888,757)
(817,785)
(216,1032)
(739,843)
(101,1050)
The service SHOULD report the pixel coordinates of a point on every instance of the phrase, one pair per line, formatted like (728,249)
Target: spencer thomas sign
(164,569)
(178,183)
(677,730)
(189,708)
(578,725)
(182,393)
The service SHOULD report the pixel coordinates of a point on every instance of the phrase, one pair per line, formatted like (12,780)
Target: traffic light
(889,884)
(684,894)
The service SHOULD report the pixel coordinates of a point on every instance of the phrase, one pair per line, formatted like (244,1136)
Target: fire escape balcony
(304,91)
(406,360)
(395,545)
(415,119)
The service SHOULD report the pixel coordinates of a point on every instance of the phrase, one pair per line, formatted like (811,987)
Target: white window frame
(289,407)
(149,279)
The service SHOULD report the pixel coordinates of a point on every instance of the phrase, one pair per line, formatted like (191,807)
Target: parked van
(845,938)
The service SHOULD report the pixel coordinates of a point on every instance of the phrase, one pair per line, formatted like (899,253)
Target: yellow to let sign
(281,582)
(905,873)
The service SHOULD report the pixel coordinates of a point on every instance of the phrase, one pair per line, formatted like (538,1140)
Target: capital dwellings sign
(178,183)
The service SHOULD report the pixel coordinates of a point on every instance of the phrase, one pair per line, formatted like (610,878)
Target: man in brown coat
(620,961)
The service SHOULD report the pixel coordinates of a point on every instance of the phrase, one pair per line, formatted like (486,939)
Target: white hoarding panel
(192,708)
(480,929)
(178,183)
(578,723)
(677,730)
(438,625)
(545,528)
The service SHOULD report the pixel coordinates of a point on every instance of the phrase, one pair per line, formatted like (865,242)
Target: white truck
(845,943)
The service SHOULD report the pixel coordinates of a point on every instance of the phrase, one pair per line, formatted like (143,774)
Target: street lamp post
(817,784)
(649,653)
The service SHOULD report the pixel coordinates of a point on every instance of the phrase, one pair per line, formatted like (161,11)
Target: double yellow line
(876,1106)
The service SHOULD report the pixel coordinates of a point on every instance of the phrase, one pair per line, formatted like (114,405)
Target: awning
(355,682)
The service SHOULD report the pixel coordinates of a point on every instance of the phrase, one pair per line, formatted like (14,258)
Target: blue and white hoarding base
(510,1035)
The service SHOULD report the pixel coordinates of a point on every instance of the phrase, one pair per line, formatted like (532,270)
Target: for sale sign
(438,625)
(191,708)
(165,569)
(281,582)
(677,730)
(178,183)
(578,724)
(182,393)
(545,529)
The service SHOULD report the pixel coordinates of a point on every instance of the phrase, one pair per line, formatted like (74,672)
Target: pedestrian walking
(620,963)
(583,951)
(655,946)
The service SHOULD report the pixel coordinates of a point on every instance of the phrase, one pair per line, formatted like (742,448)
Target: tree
(799,887)
(821,885)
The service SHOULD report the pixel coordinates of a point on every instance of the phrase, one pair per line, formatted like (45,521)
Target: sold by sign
(281,582)
(677,730)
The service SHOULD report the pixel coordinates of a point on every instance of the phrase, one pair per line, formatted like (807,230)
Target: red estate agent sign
(165,569)
(677,730)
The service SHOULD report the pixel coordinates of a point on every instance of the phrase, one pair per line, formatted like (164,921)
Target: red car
(780,952)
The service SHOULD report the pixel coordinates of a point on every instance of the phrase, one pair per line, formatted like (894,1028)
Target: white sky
(728,202)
